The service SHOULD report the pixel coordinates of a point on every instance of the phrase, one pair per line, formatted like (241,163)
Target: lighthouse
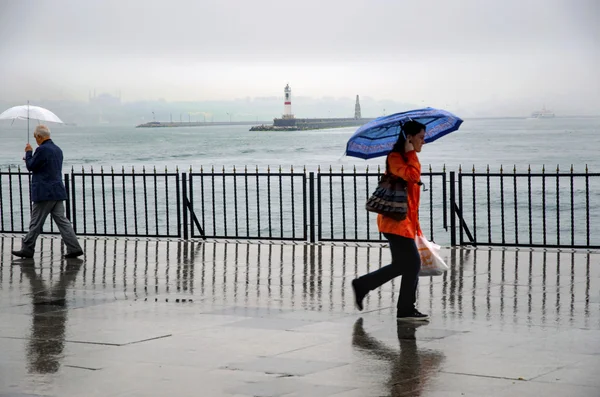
(357,114)
(287,104)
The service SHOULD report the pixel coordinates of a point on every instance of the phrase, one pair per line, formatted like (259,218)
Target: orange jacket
(410,171)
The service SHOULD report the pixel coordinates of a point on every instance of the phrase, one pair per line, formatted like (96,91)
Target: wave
(6,166)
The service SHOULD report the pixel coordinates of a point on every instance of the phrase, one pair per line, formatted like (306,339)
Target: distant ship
(542,114)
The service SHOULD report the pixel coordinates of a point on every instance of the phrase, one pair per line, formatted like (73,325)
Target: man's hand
(28,148)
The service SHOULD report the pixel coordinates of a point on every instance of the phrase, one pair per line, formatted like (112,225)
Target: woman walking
(402,162)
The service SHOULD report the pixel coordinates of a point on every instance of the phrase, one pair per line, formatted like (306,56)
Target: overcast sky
(459,53)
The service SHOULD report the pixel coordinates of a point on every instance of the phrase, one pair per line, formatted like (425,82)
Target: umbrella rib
(377,138)
(432,120)
(394,125)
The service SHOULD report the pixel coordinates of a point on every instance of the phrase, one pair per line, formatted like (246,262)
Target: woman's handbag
(390,198)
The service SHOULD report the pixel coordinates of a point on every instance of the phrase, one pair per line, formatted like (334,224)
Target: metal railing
(15,202)
(341,198)
(249,205)
(126,203)
(554,210)
(558,209)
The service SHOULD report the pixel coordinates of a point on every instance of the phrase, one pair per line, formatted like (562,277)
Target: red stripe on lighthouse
(288,103)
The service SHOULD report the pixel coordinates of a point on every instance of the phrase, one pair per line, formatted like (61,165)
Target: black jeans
(406,261)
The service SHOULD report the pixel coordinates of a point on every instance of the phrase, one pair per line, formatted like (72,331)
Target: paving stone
(162,317)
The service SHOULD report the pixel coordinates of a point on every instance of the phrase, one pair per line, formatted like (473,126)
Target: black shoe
(23,254)
(413,315)
(73,254)
(359,295)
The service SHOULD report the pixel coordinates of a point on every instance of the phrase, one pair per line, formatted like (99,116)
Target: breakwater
(164,124)
(294,124)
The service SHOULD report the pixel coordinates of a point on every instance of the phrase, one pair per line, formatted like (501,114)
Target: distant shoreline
(527,117)
(167,124)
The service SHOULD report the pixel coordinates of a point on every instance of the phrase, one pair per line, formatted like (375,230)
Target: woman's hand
(419,231)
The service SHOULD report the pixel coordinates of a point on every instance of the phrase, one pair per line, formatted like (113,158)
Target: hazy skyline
(465,54)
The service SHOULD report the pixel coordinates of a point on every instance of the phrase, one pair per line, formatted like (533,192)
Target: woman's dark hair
(410,127)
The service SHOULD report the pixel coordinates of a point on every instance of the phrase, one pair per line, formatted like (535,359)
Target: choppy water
(520,142)
(507,142)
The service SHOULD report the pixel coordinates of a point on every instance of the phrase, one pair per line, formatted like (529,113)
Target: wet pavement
(152,318)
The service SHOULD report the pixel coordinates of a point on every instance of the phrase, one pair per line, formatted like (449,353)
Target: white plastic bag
(432,263)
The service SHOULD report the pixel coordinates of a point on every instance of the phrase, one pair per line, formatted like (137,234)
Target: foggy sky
(452,54)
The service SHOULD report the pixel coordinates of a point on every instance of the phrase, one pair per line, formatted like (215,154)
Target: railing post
(311,195)
(452,209)
(459,207)
(185,204)
(319,211)
(190,188)
(74,202)
(67,201)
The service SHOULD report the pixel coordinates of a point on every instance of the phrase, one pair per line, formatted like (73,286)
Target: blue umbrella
(377,137)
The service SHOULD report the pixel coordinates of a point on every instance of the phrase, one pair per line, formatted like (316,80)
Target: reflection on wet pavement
(49,316)
(150,318)
(410,367)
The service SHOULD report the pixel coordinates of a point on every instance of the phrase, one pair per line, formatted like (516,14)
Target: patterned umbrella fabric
(377,137)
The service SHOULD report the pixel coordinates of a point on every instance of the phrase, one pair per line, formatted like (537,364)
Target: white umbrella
(28,112)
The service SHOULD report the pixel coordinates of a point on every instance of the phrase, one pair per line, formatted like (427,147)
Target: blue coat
(46,169)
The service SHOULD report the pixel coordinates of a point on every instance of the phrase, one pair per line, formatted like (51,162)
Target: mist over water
(467,56)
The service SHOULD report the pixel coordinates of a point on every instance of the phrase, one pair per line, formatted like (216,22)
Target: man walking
(48,194)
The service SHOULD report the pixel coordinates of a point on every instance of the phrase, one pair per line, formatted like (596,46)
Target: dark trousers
(406,262)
